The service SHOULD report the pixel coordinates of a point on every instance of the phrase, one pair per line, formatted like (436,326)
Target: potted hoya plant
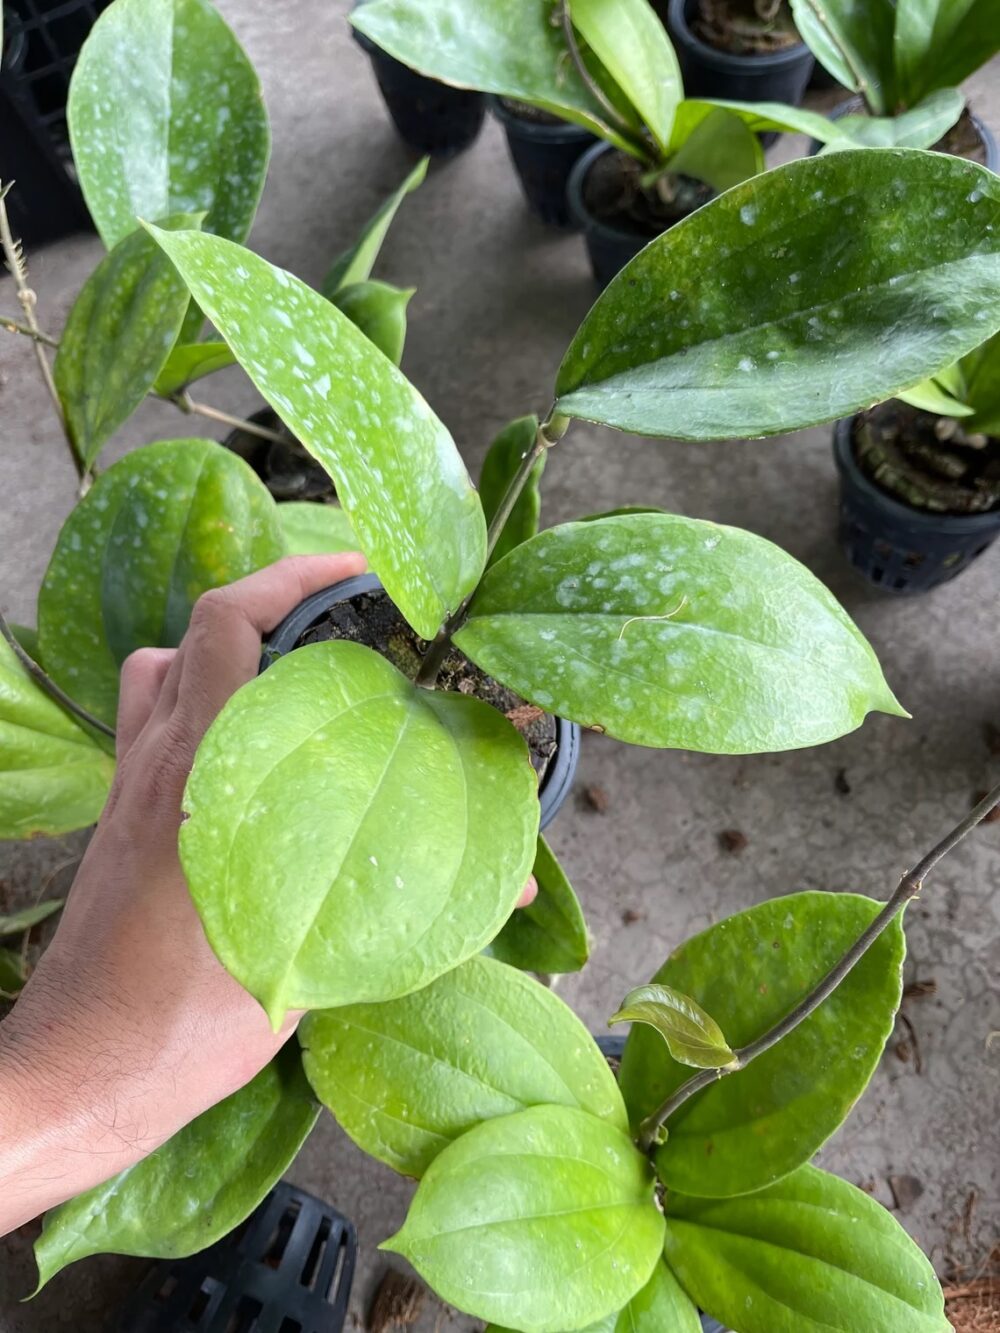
(749,50)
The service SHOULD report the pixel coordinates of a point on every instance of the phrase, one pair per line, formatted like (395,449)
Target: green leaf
(932,396)
(671,631)
(661,1307)
(408,1077)
(720,150)
(166,116)
(942,42)
(196,1187)
(811,1254)
(15,923)
(12,973)
(981,371)
(189,362)
(753,1127)
(743,321)
(852,40)
(543,1220)
(28,639)
(920,128)
(356,264)
(379,311)
(315,529)
(54,776)
(397,472)
(551,934)
(692,1036)
(118,335)
(761,117)
(160,527)
(502,460)
(415,863)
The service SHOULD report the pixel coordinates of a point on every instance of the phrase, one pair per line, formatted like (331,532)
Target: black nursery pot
(610,248)
(900,549)
(770,76)
(554,787)
(543,156)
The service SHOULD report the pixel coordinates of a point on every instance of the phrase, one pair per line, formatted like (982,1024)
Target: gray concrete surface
(498,300)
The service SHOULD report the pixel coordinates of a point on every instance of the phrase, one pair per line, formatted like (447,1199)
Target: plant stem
(862,84)
(617,121)
(12,326)
(909,886)
(49,685)
(187,404)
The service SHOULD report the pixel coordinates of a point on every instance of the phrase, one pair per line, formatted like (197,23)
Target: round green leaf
(670,631)
(315,529)
(692,1036)
(550,935)
(407,1077)
(661,1307)
(753,1127)
(379,310)
(352,835)
(196,1187)
(542,1221)
(159,528)
(802,295)
(811,1254)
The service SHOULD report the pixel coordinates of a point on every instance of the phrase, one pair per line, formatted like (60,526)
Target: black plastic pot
(610,248)
(288,473)
(900,549)
(772,76)
(543,157)
(855,105)
(554,787)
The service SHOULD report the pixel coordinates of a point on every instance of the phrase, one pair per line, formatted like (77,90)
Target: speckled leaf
(380,835)
(670,631)
(543,1220)
(189,362)
(811,1254)
(315,529)
(661,1307)
(166,116)
(799,296)
(196,1187)
(502,460)
(550,935)
(942,42)
(397,472)
(720,150)
(356,264)
(852,40)
(379,311)
(920,128)
(17,922)
(54,776)
(408,1077)
(13,973)
(693,1037)
(753,1127)
(118,335)
(160,527)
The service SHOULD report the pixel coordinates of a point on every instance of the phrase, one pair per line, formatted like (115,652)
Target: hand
(130,1027)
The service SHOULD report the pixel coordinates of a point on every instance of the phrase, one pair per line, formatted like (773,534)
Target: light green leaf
(745,319)
(720,150)
(543,1220)
(166,116)
(397,472)
(160,527)
(981,371)
(755,1126)
(852,40)
(415,863)
(15,923)
(118,335)
(942,42)
(692,1036)
(502,460)
(356,264)
(379,311)
(189,362)
(932,396)
(671,631)
(315,529)
(661,1307)
(811,1254)
(761,117)
(408,1077)
(54,776)
(920,128)
(12,973)
(196,1187)
(551,934)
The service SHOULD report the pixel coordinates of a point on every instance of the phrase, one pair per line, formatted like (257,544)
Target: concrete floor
(498,299)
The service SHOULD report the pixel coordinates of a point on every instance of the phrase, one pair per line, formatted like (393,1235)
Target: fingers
(142,676)
(529,893)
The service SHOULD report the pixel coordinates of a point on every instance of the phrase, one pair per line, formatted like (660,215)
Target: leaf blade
(188,362)
(315,529)
(693,1037)
(550,934)
(379,310)
(502,460)
(14,923)
(356,263)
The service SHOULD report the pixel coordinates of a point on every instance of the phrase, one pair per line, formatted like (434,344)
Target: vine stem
(863,85)
(38,674)
(908,888)
(187,404)
(12,326)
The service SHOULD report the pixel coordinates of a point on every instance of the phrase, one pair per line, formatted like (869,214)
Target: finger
(529,893)
(142,676)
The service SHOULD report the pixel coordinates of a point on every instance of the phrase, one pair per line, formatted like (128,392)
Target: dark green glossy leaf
(920,128)
(166,116)
(356,264)
(757,1125)
(551,934)
(13,974)
(160,527)
(674,632)
(28,639)
(746,319)
(416,861)
(408,1077)
(543,1220)
(502,460)
(189,362)
(852,40)
(720,150)
(811,1254)
(196,1187)
(397,472)
(661,1307)
(17,922)
(379,311)
(315,529)
(54,776)
(692,1036)
(942,42)
(118,335)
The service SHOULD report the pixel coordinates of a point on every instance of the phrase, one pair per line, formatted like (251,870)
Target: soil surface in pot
(534,115)
(287,470)
(614,194)
(372,619)
(746,27)
(963,140)
(927,461)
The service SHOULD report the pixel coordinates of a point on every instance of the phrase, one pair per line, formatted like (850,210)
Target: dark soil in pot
(544,149)
(746,27)
(744,50)
(287,469)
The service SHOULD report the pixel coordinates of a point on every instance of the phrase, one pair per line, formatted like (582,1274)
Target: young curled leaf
(693,1037)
